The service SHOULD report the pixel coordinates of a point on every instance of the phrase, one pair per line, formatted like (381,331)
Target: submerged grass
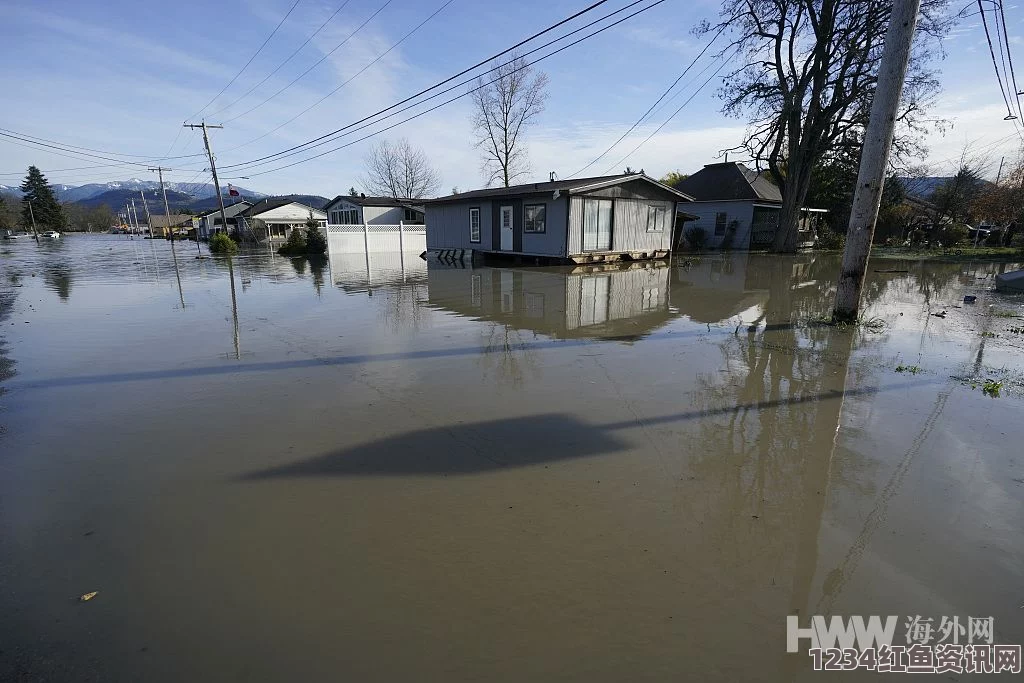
(873,324)
(912,369)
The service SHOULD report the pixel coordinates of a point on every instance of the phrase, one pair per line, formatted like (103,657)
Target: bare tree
(806,81)
(397,169)
(503,111)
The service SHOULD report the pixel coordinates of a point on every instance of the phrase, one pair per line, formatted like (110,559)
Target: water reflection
(621,303)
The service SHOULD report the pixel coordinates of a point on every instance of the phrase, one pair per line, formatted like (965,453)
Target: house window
(474,224)
(412,216)
(345,217)
(655,218)
(720,219)
(335,218)
(534,218)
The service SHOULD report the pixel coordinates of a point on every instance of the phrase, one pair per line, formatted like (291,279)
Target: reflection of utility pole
(213,170)
(145,205)
(892,72)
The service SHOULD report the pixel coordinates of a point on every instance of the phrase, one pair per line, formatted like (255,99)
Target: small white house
(355,210)
(274,219)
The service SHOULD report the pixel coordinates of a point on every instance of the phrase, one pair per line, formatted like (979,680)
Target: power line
(315,64)
(281,65)
(1009,57)
(350,79)
(457,97)
(995,65)
(70,147)
(326,138)
(260,49)
(688,100)
(651,108)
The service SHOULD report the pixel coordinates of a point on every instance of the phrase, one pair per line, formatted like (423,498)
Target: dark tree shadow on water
(461,449)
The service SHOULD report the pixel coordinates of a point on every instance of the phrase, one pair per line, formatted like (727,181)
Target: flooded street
(381,469)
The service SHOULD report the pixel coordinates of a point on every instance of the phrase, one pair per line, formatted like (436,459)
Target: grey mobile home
(583,221)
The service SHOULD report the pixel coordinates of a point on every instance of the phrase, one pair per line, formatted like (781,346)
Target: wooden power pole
(213,170)
(149,219)
(892,71)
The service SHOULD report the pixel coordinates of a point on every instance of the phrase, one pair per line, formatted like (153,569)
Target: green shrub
(696,237)
(316,241)
(220,243)
(296,244)
(948,234)
(828,239)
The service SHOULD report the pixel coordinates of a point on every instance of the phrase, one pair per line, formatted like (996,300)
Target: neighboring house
(584,220)
(738,207)
(274,219)
(210,222)
(355,210)
(159,223)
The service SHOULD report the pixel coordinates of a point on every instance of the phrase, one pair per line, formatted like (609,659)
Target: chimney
(552,176)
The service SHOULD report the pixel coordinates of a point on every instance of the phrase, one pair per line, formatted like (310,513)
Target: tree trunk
(794,192)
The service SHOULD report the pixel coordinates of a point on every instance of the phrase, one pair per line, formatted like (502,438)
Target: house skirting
(478,255)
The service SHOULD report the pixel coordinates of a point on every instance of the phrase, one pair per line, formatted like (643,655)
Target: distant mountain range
(194,197)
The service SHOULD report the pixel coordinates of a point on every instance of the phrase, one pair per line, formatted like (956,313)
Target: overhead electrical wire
(1009,57)
(315,65)
(246,65)
(452,99)
(348,80)
(651,108)
(688,100)
(327,138)
(69,147)
(995,65)
(281,65)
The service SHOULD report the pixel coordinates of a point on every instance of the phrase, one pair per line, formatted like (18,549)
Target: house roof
(175,219)
(271,203)
(729,181)
(567,186)
(363,200)
(226,207)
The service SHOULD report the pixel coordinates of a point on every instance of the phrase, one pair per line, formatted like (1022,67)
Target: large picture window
(655,218)
(474,224)
(534,216)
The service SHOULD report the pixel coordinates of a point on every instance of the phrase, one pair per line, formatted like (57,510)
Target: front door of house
(597,224)
(506,228)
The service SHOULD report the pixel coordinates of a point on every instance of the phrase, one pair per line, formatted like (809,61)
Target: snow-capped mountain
(70,193)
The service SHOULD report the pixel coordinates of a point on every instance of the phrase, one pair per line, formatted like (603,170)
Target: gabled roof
(575,185)
(271,203)
(159,220)
(363,200)
(226,207)
(729,181)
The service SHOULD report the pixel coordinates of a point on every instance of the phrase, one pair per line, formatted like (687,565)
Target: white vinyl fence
(357,239)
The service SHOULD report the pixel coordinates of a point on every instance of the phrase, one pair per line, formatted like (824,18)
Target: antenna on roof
(552,177)
(726,157)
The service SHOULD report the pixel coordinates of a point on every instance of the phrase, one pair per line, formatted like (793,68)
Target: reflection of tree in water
(58,278)
(6,363)
(400,306)
(317,264)
(505,353)
(299,264)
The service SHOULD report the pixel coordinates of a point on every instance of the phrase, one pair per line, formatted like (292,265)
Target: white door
(594,300)
(507,292)
(597,224)
(506,228)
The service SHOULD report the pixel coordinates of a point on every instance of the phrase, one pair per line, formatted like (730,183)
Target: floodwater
(387,470)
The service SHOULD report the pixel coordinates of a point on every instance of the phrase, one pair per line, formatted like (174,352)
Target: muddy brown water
(415,471)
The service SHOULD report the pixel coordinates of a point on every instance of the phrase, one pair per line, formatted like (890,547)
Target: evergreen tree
(3,214)
(49,214)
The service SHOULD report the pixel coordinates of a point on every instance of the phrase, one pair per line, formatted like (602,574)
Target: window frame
(544,223)
(659,210)
(479,227)
(724,216)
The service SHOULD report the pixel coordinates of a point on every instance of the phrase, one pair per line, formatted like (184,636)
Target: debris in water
(970,299)
(940,315)
(88,596)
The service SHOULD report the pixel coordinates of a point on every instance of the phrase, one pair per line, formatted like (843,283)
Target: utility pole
(32,215)
(149,219)
(167,226)
(892,71)
(135,213)
(999,175)
(213,170)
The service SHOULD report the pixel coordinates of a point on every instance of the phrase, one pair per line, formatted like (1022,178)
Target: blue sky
(122,76)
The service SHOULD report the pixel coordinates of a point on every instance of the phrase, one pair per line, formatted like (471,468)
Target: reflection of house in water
(614,303)
(715,288)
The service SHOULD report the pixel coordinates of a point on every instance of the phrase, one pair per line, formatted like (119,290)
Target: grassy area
(952,254)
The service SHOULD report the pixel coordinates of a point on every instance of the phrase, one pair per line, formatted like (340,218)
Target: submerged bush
(220,243)
(316,241)
(296,244)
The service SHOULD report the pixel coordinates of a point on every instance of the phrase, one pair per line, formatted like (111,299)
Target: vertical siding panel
(630,226)
(575,225)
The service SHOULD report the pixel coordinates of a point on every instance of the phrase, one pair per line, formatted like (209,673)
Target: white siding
(290,213)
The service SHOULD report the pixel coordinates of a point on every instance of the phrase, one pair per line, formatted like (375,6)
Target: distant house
(210,222)
(159,223)
(355,210)
(274,219)
(584,220)
(737,207)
